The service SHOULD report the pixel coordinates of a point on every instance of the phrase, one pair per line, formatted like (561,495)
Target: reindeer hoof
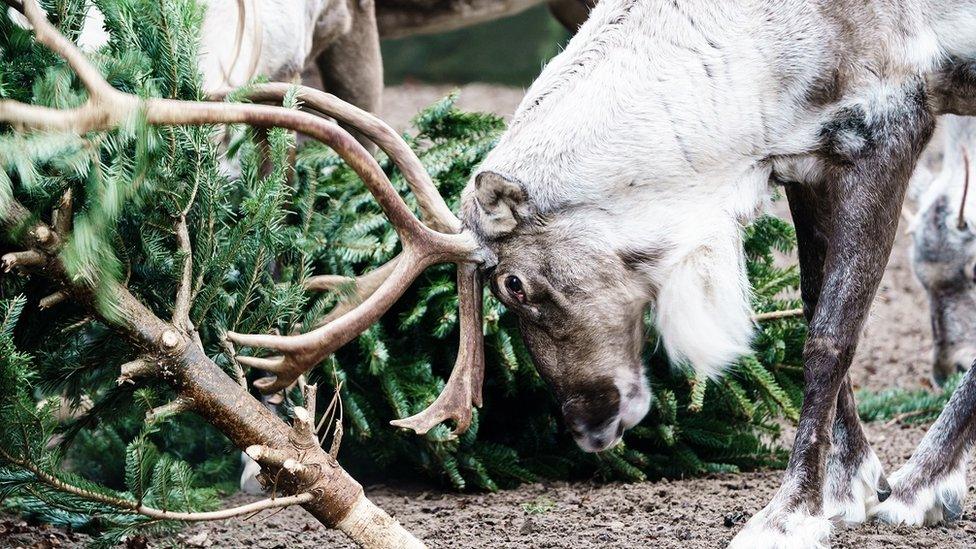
(774,528)
(884,490)
(850,493)
(914,505)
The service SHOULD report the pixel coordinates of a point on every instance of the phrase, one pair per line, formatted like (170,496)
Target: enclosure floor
(686,514)
(701,513)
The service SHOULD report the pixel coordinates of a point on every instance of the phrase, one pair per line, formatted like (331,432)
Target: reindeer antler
(961,223)
(433,209)
(440,240)
(464,386)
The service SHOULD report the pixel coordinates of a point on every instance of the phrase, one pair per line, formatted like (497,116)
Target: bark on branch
(337,499)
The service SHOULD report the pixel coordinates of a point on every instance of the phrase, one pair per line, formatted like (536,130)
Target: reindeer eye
(514,286)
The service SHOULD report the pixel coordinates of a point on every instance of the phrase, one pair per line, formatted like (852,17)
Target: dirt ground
(688,514)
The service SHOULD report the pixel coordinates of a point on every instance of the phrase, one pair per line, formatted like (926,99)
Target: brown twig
(231,352)
(906,415)
(131,371)
(63,213)
(52,300)
(181,309)
(177,406)
(961,222)
(776,315)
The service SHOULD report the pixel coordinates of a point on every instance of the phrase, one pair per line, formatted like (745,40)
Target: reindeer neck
(647,98)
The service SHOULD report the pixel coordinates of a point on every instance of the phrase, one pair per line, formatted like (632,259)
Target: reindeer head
(580,293)
(944,261)
(579,307)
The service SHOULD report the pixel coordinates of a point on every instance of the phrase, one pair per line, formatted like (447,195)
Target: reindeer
(624,182)
(630,168)
(242,39)
(944,252)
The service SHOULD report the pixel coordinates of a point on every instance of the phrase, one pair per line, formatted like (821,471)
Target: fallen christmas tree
(139,210)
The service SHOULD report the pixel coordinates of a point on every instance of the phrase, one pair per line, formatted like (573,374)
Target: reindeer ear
(501,201)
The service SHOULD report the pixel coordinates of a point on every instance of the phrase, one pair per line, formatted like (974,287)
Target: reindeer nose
(600,439)
(594,420)
(958,362)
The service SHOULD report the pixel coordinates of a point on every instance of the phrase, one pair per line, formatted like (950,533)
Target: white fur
(702,310)
(645,116)
(924,506)
(862,491)
(655,148)
(277,39)
(249,477)
(633,410)
(797,529)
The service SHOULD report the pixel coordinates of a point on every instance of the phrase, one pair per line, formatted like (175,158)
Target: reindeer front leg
(931,487)
(869,151)
(854,480)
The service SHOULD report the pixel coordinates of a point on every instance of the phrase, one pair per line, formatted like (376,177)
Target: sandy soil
(686,514)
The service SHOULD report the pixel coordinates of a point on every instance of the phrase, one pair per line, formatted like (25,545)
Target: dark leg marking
(865,192)
(953,88)
(853,470)
(351,68)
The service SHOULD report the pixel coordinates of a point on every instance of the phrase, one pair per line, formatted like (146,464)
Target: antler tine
(364,286)
(302,352)
(107,107)
(464,386)
(435,212)
(961,223)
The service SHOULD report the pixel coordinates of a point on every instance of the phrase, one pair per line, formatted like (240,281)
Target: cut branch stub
(21,260)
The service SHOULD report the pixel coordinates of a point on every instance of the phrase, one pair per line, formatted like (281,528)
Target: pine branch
(158,514)
(338,500)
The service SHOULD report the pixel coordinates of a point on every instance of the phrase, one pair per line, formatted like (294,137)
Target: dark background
(507,51)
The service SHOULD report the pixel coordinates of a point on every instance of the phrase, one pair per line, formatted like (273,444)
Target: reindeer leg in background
(854,475)
(931,487)
(351,67)
(855,481)
(869,153)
